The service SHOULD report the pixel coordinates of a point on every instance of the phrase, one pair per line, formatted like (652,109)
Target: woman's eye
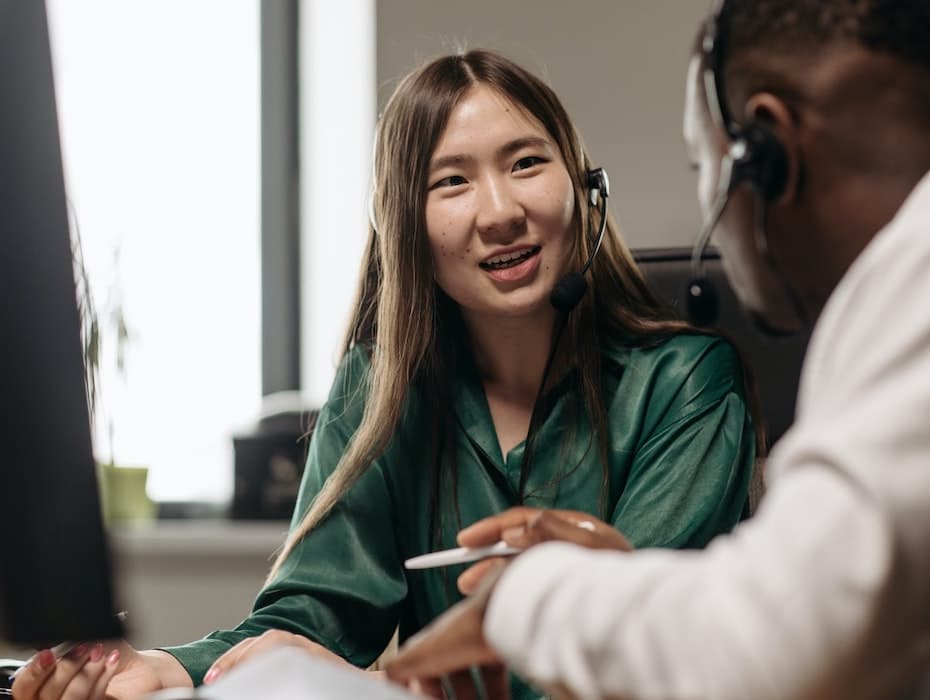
(528,162)
(451,181)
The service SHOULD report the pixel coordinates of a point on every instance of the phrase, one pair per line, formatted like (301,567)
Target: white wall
(618,66)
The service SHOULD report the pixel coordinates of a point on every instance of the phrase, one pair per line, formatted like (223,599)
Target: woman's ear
(771,112)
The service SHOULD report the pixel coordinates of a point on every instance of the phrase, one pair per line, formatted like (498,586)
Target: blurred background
(217,160)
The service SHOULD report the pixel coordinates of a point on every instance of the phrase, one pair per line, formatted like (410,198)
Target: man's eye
(451,181)
(528,162)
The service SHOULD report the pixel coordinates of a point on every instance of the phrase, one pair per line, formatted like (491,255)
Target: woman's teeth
(509,260)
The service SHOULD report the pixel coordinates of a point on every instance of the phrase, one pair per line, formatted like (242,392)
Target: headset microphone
(569,290)
(701,303)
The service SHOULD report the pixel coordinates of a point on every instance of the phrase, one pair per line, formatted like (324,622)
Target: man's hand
(525,527)
(440,656)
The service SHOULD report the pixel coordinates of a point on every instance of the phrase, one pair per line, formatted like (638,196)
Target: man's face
(750,274)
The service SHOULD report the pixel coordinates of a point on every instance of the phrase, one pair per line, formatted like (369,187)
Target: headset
(756,159)
(569,290)
(565,295)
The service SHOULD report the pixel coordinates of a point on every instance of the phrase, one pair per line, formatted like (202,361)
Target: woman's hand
(95,671)
(525,527)
(251,647)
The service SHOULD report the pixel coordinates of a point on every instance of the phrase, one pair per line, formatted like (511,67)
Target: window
(337,123)
(159,106)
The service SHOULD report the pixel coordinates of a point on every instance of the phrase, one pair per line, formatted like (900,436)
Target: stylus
(461,555)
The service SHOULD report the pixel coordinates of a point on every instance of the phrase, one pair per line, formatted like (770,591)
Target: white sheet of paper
(289,673)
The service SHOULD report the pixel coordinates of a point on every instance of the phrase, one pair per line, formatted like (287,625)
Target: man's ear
(772,112)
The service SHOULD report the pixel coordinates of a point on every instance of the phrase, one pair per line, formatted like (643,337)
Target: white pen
(465,555)
(461,555)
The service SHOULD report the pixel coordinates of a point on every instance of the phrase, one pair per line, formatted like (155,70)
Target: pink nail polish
(97,652)
(211,675)
(46,658)
(113,658)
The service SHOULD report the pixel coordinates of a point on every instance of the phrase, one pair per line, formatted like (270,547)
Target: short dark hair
(900,28)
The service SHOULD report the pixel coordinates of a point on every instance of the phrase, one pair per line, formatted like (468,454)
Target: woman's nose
(499,210)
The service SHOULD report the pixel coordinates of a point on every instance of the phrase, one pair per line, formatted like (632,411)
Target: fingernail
(113,658)
(211,675)
(78,652)
(97,652)
(46,658)
(513,533)
(586,525)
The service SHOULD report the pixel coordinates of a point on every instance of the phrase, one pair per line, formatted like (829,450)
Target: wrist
(170,672)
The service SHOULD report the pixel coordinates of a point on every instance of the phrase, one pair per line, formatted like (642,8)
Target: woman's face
(498,209)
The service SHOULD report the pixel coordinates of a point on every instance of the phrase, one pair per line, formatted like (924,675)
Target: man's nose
(499,209)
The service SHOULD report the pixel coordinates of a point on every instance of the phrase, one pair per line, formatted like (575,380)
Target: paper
(289,673)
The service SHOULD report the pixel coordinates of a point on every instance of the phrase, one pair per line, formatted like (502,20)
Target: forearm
(752,616)
(197,657)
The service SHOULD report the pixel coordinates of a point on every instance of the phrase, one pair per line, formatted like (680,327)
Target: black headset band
(713,47)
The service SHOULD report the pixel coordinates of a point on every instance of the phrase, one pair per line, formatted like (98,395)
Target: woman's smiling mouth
(514,266)
(508,260)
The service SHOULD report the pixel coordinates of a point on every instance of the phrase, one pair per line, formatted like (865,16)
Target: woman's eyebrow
(525,142)
(449,161)
(509,148)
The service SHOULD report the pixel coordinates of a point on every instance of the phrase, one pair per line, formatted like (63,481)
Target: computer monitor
(55,580)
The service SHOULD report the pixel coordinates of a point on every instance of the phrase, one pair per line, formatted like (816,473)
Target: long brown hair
(405,321)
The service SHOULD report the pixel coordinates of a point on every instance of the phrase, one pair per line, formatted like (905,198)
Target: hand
(525,527)
(94,671)
(253,646)
(443,652)
(83,672)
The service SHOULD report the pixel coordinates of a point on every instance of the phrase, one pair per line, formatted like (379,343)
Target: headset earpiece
(759,160)
(598,184)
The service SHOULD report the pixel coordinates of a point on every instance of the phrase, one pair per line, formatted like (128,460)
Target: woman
(481,204)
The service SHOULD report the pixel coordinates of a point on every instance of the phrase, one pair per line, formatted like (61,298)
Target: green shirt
(681,448)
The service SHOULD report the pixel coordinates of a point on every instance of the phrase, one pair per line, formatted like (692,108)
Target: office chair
(775,363)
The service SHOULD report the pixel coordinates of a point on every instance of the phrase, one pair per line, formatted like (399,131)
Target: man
(809,124)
